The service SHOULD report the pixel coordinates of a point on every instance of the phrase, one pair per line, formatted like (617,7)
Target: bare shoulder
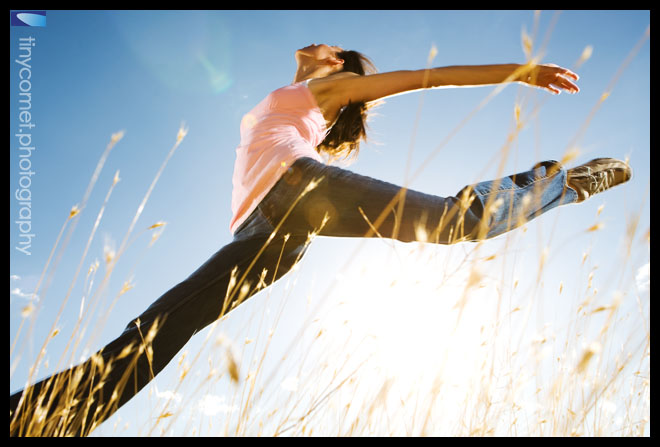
(322,87)
(327,93)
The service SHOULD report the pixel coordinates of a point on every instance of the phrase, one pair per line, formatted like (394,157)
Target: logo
(28,18)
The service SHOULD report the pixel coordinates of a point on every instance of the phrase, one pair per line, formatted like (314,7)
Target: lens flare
(193,53)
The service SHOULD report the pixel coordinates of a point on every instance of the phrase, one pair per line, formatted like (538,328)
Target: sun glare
(411,322)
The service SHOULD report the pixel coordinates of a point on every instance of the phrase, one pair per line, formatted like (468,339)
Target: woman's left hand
(552,78)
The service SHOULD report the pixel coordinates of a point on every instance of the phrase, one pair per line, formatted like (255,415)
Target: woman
(283,190)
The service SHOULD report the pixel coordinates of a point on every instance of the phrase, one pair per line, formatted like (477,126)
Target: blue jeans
(269,243)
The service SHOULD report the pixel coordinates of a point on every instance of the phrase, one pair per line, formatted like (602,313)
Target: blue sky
(94,73)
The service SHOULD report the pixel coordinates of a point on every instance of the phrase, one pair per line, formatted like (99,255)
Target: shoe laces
(600,181)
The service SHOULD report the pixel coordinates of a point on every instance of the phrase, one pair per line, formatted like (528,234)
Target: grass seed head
(586,54)
(232,366)
(527,43)
(109,251)
(74,211)
(593,349)
(27,310)
(128,285)
(157,225)
(570,155)
(116,137)
(432,53)
(183,131)
(596,227)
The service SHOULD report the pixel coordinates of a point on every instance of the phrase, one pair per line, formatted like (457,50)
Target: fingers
(561,70)
(570,74)
(553,78)
(556,88)
(553,90)
(566,85)
(562,81)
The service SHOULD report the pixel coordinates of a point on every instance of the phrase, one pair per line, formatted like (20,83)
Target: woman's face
(318,52)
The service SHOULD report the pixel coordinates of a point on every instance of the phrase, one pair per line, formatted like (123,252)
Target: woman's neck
(312,71)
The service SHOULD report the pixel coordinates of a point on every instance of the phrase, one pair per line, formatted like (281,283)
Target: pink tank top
(284,126)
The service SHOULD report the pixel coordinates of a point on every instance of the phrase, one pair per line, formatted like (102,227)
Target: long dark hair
(345,135)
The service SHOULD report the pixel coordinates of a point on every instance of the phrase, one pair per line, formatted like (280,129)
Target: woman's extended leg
(347,204)
(75,401)
(341,204)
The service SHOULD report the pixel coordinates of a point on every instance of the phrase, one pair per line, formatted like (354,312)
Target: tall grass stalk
(423,341)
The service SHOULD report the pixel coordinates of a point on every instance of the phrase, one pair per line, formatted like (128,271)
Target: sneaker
(597,176)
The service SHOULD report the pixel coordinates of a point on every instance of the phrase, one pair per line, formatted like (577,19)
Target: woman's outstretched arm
(549,77)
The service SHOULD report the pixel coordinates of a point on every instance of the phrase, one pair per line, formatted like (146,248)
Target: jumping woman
(282,191)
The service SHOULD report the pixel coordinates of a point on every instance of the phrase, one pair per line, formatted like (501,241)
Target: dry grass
(394,359)
(457,341)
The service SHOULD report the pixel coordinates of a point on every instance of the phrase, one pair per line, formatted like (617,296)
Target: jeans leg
(181,312)
(514,200)
(354,205)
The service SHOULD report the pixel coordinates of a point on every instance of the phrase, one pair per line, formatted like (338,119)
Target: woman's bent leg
(77,400)
(343,203)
